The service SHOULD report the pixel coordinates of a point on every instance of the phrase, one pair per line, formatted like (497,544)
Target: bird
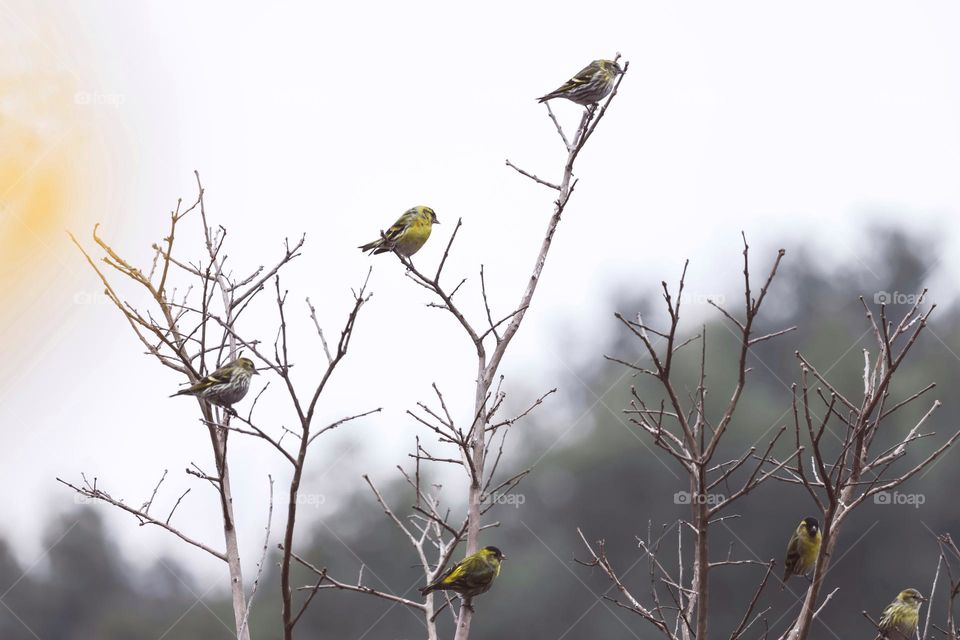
(225,386)
(900,618)
(407,235)
(471,576)
(591,85)
(802,549)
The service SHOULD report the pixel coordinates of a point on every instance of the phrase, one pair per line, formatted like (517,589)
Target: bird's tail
(182,392)
(427,589)
(375,247)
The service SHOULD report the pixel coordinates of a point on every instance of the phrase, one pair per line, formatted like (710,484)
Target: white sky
(794,123)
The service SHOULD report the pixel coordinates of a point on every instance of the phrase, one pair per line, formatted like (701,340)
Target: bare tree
(477,442)
(192,329)
(846,465)
(691,436)
(848,468)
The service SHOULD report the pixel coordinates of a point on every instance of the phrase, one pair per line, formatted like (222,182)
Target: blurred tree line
(604,477)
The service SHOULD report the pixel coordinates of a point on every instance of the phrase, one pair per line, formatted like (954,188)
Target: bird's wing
(402,224)
(467,572)
(199,385)
(217,377)
(793,553)
(220,375)
(886,618)
(442,580)
(395,231)
(457,571)
(583,76)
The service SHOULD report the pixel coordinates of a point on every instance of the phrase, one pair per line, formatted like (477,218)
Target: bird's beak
(503,557)
(255,372)
(436,222)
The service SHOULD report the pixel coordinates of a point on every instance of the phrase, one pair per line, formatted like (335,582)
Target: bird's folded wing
(395,231)
(220,375)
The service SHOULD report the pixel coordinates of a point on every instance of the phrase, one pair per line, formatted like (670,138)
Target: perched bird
(225,386)
(471,576)
(802,549)
(407,234)
(591,85)
(900,618)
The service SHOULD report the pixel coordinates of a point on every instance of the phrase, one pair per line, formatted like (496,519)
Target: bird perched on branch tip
(591,85)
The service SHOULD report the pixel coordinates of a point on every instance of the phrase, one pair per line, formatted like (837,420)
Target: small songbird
(591,85)
(407,234)
(471,576)
(900,618)
(802,549)
(225,386)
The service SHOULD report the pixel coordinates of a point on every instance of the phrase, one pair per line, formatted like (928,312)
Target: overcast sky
(797,123)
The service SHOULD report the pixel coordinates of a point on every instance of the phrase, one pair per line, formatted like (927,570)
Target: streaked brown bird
(225,386)
(591,85)
(901,617)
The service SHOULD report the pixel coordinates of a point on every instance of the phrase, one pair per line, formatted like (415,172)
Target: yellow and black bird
(900,618)
(802,550)
(407,235)
(471,576)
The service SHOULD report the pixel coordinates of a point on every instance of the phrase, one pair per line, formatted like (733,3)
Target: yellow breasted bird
(900,618)
(407,234)
(471,576)
(592,84)
(802,550)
